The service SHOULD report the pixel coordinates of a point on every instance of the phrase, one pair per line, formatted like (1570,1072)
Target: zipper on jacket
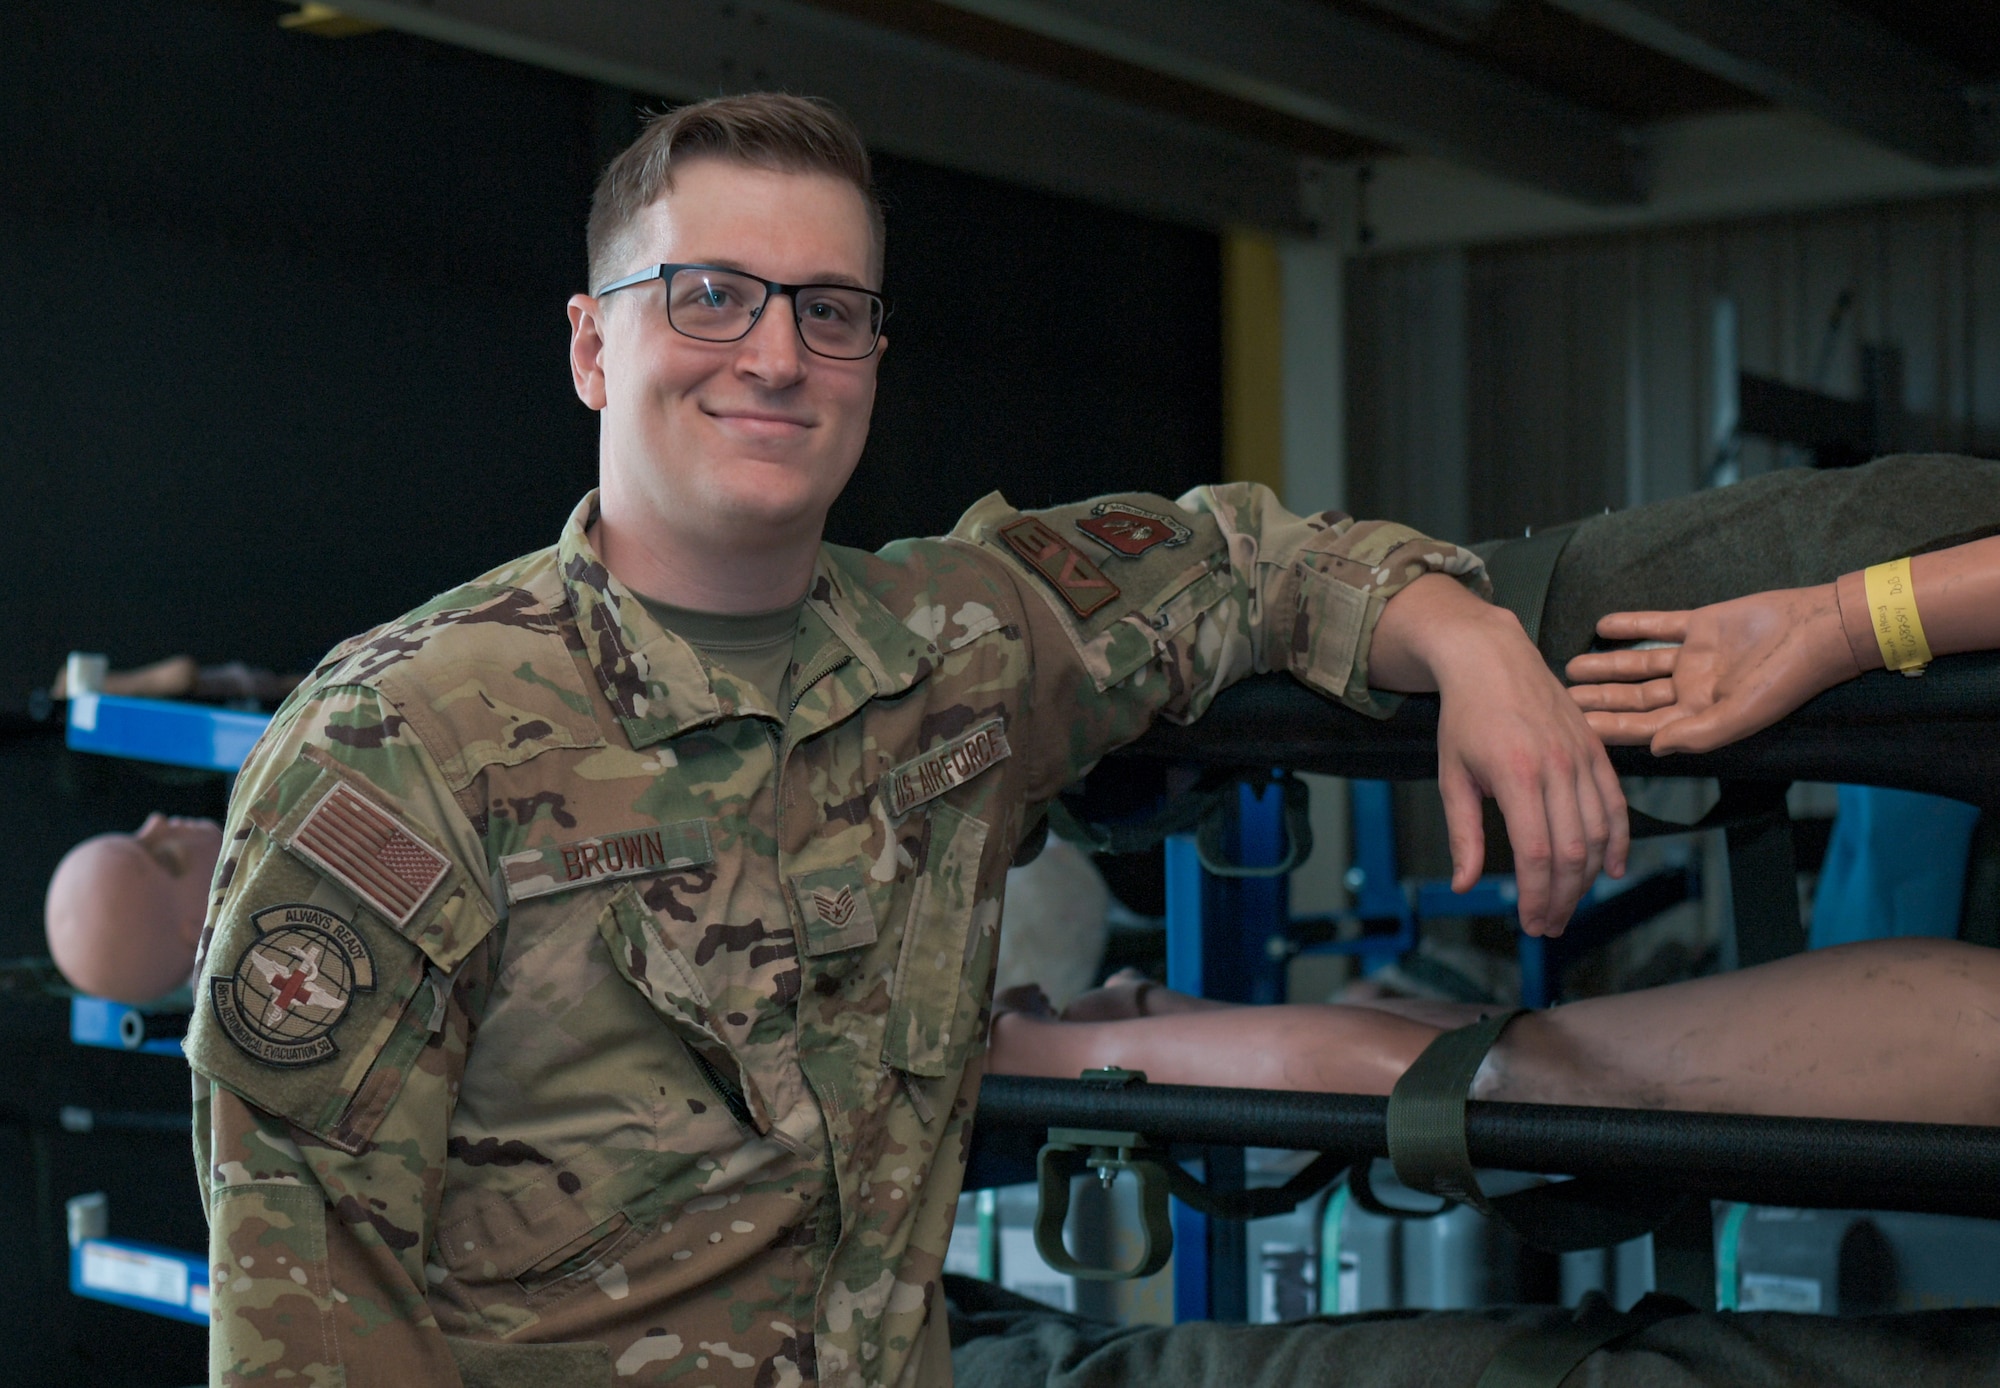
(724,1090)
(815,672)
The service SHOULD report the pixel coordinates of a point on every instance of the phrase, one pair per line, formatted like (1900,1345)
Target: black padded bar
(1814,1162)
(1939,733)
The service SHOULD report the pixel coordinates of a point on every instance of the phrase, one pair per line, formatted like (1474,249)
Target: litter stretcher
(1628,1171)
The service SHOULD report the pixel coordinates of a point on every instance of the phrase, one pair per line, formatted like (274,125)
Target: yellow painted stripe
(1253,431)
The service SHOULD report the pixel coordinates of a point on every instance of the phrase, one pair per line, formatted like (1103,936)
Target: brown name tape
(945,768)
(558,867)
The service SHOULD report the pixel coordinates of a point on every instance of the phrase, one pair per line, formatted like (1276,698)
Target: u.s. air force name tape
(946,768)
(557,867)
(292,985)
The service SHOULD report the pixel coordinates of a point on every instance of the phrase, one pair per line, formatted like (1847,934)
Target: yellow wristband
(1892,610)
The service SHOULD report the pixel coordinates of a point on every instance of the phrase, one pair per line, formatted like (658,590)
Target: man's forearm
(1430,625)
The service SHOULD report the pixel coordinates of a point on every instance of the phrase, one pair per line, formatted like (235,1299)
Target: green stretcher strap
(1545,1358)
(1426,1119)
(1520,571)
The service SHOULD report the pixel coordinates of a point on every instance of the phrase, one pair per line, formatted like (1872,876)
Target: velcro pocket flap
(484,1233)
(929,1024)
(1127,645)
(1327,640)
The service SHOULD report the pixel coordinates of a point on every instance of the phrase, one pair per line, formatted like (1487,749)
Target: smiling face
(742,443)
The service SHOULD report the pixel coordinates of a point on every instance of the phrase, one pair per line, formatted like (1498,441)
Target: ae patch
(1131,530)
(291,987)
(1077,580)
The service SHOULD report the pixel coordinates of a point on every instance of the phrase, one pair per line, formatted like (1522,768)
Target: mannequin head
(124,911)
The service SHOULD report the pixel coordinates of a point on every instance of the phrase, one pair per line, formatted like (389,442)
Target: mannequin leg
(1903,1030)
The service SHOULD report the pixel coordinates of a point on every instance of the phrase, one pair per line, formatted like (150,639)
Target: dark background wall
(284,354)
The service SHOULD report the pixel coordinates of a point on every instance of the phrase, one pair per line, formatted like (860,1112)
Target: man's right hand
(1505,729)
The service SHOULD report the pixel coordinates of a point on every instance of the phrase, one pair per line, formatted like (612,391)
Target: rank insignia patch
(1132,530)
(292,986)
(1078,581)
(369,853)
(836,908)
(834,903)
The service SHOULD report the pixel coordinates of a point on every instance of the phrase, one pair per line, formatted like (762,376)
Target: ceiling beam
(1818,57)
(910,96)
(1319,64)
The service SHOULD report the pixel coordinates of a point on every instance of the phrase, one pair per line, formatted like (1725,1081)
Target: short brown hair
(766,130)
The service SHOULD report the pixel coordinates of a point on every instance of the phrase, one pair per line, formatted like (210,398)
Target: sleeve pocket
(929,1022)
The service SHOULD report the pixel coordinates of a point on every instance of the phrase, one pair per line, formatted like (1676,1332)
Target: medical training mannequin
(1901,1029)
(124,911)
(1737,667)
(183,677)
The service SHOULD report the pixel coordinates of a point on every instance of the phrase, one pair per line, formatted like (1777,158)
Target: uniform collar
(657,684)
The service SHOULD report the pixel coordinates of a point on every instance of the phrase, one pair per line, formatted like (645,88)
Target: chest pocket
(667,978)
(932,1016)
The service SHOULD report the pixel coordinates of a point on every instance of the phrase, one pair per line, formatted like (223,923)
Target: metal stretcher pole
(1820,1163)
(1763,884)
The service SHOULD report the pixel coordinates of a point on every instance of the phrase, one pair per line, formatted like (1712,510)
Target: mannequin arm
(1737,667)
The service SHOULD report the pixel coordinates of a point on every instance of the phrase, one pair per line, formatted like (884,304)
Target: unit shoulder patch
(292,985)
(1075,577)
(945,768)
(361,846)
(1130,530)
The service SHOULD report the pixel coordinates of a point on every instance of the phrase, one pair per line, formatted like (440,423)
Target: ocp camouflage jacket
(569,1015)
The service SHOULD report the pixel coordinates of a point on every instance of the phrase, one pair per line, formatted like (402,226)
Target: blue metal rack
(160,730)
(115,1027)
(125,1272)
(143,1276)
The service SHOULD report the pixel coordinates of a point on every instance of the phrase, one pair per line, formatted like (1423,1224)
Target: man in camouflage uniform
(583,1003)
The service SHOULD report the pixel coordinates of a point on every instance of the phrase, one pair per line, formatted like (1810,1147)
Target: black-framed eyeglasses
(712,303)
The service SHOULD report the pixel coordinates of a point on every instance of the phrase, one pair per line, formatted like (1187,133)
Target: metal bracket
(1208,839)
(1071,1151)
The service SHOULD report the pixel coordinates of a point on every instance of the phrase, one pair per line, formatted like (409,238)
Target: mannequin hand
(1739,667)
(1506,729)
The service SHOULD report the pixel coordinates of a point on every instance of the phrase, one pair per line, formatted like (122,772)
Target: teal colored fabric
(1895,867)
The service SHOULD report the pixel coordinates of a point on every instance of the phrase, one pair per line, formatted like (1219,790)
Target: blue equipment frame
(124,1272)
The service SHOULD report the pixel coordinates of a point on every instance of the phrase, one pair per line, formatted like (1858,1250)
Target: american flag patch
(369,853)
